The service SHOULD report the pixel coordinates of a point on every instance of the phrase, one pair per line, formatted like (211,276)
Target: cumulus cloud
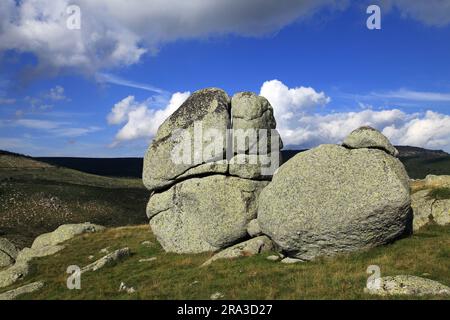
(300,124)
(291,102)
(141,119)
(114,33)
(431,130)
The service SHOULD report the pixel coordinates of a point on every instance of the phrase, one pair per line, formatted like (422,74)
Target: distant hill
(418,161)
(37,197)
(11,160)
(114,167)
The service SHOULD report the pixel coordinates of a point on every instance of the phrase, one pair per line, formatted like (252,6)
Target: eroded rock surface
(331,199)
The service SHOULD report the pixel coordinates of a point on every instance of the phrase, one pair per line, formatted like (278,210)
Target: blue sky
(103,90)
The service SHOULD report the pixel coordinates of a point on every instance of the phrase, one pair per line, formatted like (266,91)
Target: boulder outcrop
(206,202)
(333,199)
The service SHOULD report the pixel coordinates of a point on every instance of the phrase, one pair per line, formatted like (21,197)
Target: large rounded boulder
(333,199)
(204,214)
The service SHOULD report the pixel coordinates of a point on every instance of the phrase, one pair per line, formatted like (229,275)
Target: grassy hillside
(173,276)
(36,198)
(419,168)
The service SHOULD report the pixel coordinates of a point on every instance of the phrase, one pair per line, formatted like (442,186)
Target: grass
(174,276)
(439,194)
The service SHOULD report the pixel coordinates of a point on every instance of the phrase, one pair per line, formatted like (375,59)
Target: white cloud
(5,101)
(431,12)
(119,112)
(38,124)
(110,78)
(431,130)
(142,119)
(291,102)
(56,128)
(412,95)
(116,33)
(57,94)
(301,125)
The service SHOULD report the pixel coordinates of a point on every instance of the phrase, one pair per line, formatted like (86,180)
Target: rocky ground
(147,272)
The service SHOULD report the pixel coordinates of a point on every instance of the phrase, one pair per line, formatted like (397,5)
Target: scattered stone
(64,233)
(28,254)
(146,243)
(91,257)
(427,209)
(433,181)
(105,250)
(8,253)
(148,259)
(368,137)
(29,288)
(15,273)
(407,285)
(217,296)
(253,228)
(204,214)
(291,260)
(248,248)
(44,245)
(273,258)
(109,259)
(123,288)
(331,199)
(194,283)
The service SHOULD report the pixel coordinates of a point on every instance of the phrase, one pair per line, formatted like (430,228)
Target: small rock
(148,259)
(64,233)
(28,254)
(91,257)
(8,253)
(15,273)
(216,296)
(29,288)
(105,250)
(368,137)
(253,228)
(194,283)
(107,260)
(273,258)
(123,288)
(243,249)
(291,260)
(407,285)
(146,243)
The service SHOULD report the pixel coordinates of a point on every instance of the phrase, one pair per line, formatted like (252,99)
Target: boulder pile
(328,200)
(204,178)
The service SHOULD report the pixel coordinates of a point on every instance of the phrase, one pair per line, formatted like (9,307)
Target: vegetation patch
(439,194)
(174,276)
